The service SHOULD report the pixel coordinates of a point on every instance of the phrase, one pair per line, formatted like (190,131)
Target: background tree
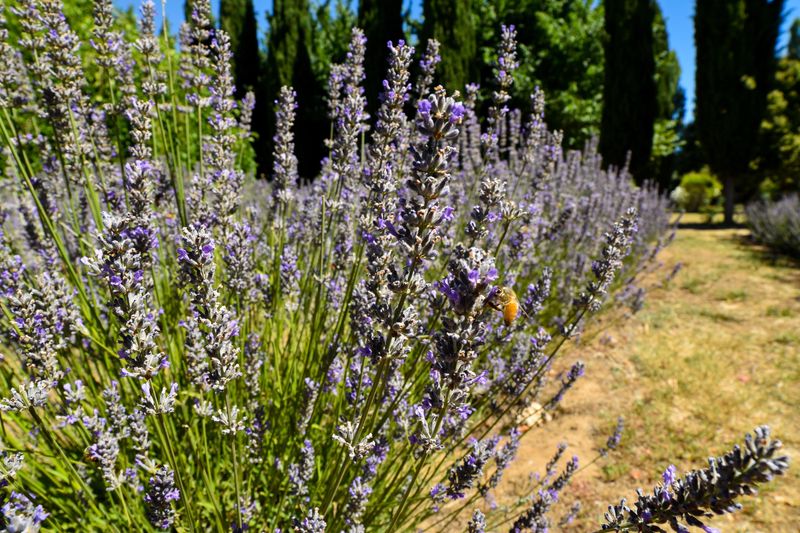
(382,21)
(735,41)
(670,104)
(289,62)
(238,19)
(451,23)
(793,50)
(778,161)
(560,51)
(332,32)
(629,89)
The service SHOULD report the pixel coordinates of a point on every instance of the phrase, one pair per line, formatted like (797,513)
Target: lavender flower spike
(703,493)
(284,166)
(159,496)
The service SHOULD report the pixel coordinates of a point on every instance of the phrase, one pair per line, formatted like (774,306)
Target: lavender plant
(188,348)
(701,494)
(776,224)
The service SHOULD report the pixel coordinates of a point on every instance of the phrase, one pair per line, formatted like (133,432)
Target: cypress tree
(382,21)
(451,23)
(289,62)
(793,51)
(629,89)
(667,71)
(735,42)
(238,19)
(670,102)
(778,158)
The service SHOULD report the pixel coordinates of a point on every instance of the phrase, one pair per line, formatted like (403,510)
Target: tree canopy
(735,41)
(629,92)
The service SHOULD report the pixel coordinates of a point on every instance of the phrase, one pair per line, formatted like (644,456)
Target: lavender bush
(776,224)
(188,348)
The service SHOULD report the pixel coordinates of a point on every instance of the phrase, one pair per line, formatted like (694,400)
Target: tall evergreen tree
(669,95)
(778,160)
(735,42)
(238,19)
(289,62)
(793,51)
(451,23)
(670,104)
(382,21)
(629,89)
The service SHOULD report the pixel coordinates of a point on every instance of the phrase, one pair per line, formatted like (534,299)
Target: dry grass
(708,358)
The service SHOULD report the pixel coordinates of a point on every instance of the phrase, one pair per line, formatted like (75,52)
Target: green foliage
(231,19)
(290,62)
(669,95)
(629,89)
(451,22)
(238,19)
(698,192)
(779,154)
(670,105)
(735,66)
(560,51)
(666,141)
(382,21)
(79,16)
(793,50)
(332,30)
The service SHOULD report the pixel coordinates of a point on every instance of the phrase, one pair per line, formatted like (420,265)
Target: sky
(678,14)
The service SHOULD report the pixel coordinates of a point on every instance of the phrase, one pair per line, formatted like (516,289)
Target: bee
(506,301)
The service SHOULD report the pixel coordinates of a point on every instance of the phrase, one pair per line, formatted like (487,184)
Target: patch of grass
(787,339)
(694,285)
(615,471)
(780,312)
(717,316)
(739,295)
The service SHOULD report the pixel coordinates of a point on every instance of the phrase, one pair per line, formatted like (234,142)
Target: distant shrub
(776,224)
(697,192)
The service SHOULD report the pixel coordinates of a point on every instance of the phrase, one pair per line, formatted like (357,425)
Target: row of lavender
(187,347)
(776,224)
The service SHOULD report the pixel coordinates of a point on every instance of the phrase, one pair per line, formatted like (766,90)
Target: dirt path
(710,357)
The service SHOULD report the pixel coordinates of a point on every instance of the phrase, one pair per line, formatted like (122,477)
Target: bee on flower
(505,300)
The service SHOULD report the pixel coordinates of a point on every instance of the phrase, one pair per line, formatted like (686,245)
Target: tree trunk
(730,196)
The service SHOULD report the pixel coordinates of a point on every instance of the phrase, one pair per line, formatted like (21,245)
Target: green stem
(235,468)
(174,463)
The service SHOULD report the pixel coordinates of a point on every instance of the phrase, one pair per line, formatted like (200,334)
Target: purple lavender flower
(301,473)
(614,439)
(669,475)
(703,493)
(465,474)
(358,496)
(575,372)
(477,523)
(159,497)
(427,67)
(21,514)
(284,166)
(313,522)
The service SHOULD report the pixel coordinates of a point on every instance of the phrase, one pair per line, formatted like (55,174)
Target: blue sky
(678,14)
